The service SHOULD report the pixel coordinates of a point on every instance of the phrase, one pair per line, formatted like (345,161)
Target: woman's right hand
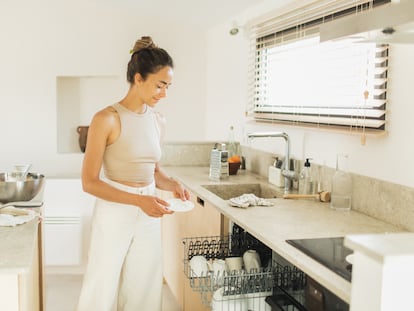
(153,206)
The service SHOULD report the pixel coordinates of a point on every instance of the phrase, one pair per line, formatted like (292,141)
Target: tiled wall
(186,154)
(386,201)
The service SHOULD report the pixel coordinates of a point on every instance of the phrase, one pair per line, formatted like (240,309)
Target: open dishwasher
(258,289)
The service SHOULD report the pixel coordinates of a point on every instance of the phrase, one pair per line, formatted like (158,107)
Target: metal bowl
(13,189)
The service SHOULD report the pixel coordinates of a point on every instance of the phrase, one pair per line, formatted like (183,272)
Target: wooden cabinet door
(172,236)
(203,220)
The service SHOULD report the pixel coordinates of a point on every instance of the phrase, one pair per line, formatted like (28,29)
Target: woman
(125,261)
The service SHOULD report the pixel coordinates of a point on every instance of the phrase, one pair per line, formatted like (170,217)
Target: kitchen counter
(21,268)
(286,219)
(17,247)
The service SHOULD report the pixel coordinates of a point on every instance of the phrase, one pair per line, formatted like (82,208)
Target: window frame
(265,37)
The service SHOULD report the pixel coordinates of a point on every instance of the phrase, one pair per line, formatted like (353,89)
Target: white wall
(44,39)
(387,158)
(41,40)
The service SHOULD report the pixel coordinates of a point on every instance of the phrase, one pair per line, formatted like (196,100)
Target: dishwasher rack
(238,290)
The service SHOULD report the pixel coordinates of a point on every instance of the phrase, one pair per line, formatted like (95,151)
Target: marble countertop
(286,219)
(17,246)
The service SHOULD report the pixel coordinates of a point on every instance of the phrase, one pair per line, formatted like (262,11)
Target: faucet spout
(285,136)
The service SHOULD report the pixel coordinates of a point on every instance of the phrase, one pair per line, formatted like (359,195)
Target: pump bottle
(306,179)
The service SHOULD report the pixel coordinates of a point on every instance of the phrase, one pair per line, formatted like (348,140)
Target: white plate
(178,205)
(350,258)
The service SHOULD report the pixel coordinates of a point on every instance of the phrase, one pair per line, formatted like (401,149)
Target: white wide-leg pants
(124,263)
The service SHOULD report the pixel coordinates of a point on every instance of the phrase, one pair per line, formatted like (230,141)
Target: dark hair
(147,58)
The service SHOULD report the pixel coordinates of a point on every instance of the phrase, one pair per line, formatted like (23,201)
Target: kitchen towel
(248,199)
(11,216)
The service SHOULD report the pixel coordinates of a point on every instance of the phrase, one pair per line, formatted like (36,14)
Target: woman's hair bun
(144,43)
(147,58)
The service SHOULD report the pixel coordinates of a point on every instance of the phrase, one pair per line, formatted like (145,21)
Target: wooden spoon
(323,196)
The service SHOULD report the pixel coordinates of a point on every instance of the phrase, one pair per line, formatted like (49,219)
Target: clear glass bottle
(232,146)
(341,196)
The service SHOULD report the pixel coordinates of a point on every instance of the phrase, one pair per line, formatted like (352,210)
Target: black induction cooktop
(330,252)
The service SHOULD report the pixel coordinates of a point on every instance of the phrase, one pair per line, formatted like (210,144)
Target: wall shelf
(78,99)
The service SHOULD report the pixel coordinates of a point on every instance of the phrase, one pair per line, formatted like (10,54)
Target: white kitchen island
(21,281)
(286,219)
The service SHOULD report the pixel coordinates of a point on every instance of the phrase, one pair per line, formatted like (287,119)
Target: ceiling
(202,14)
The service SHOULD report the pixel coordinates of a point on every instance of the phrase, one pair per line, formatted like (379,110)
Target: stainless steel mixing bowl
(13,189)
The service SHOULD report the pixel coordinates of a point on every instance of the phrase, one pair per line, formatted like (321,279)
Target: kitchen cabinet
(21,271)
(203,220)
(30,284)
(286,219)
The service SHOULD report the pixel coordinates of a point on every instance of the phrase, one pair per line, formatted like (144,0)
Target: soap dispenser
(305,179)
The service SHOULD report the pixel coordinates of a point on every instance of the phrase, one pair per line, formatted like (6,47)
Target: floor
(62,292)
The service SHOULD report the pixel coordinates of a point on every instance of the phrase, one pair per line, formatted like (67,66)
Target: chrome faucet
(286,172)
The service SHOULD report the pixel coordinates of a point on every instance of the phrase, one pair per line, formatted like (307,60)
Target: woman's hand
(170,184)
(153,206)
(179,191)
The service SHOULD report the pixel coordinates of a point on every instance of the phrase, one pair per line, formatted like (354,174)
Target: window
(300,81)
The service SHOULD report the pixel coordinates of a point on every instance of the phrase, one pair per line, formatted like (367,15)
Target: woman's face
(155,86)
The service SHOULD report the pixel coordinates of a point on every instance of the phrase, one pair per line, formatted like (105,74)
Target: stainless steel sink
(228,191)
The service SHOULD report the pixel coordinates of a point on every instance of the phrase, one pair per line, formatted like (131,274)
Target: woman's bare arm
(103,130)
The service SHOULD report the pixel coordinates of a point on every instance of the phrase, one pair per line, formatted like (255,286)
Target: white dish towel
(11,216)
(249,199)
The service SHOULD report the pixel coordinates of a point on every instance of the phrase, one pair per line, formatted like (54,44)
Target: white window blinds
(297,80)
